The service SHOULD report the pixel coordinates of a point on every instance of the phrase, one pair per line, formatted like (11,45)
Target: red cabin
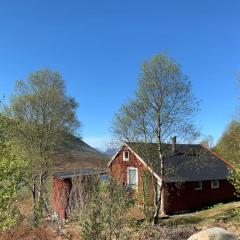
(195,176)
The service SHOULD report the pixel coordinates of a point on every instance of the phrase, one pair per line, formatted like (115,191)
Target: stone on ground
(215,233)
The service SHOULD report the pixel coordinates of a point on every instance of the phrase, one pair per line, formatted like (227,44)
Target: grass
(221,215)
(226,216)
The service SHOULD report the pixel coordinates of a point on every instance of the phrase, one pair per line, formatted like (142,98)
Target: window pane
(104,177)
(198,185)
(125,156)
(132,177)
(215,184)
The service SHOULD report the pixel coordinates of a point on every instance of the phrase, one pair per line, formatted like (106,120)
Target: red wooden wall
(186,198)
(118,168)
(60,196)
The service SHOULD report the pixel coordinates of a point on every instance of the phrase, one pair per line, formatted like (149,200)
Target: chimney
(174,141)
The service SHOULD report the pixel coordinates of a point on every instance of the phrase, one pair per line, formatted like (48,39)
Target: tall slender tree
(163,107)
(43,116)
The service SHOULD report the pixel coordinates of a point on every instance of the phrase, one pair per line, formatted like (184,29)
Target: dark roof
(80,172)
(189,162)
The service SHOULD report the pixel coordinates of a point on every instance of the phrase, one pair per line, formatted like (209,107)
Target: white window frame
(132,168)
(124,157)
(200,187)
(214,186)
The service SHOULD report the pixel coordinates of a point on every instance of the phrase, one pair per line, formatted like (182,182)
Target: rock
(215,233)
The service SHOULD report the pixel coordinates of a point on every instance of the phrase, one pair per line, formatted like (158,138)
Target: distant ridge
(110,151)
(73,143)
(75,154)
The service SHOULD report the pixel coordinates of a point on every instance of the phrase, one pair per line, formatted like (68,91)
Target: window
(125,155)
(214,184)
(132,177)
(103,177)
(198,185)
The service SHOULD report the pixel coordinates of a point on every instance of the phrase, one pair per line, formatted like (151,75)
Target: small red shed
(74,161)
(63,183)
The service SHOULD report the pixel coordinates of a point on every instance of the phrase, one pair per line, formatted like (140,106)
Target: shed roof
(80,172)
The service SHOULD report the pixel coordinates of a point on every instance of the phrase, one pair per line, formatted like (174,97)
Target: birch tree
(43,116)
(162,107)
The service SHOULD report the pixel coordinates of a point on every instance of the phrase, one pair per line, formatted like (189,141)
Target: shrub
(40,233)
(107,210)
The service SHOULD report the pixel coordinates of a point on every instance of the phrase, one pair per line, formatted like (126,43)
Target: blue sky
(99,46)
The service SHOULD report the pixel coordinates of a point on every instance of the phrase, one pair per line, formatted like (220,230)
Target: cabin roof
(189,162)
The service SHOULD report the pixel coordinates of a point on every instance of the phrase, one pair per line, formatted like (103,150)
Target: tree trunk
(46,202)
(34,198)
(157,206)
(158,194)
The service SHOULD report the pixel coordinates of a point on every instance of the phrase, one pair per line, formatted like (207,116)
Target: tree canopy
(43,115)
(163,104)
(229,144)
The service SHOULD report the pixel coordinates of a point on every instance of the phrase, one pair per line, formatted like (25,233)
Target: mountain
(74,154)
(110,151)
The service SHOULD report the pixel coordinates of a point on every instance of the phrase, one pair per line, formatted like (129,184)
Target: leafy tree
(229,144)
(162,107)
(43,117)
(12,171)
(229,147)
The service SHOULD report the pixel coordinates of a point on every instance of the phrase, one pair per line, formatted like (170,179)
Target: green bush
(106,216)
